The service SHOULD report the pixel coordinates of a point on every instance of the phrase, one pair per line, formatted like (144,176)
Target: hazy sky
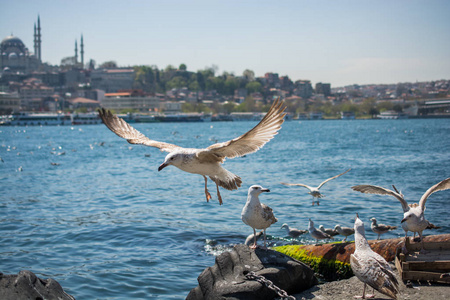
(338,42)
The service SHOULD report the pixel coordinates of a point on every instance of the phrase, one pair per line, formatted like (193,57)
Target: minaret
(35,40)
(82,52)
(76,52)
(39,39)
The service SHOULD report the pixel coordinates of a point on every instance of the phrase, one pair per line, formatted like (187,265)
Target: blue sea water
(106,224)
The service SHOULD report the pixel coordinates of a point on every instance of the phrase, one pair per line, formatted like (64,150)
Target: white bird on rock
(413,214)
(370,267)
(257,215)
(380,228)
(345,231)
(314,191)
(206,161)
(293,232)
(317,234)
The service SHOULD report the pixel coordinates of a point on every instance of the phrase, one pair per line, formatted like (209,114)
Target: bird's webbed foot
(207,194)
(218,195)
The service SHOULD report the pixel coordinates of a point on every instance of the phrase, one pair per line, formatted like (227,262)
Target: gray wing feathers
(255,138)
(443,185)
(298,184)
(126,131)
(373,189)
(332,179)
(268,213)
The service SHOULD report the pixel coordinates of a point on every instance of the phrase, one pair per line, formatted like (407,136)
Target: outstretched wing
(254,139)
(443,185)
(373,189)
(332,179)
(128,132)
(298,184)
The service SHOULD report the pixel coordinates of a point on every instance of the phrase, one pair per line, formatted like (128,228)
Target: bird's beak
(265,190)
(162,166)
(403,220)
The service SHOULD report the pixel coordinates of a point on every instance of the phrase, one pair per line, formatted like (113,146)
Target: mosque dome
(12,41)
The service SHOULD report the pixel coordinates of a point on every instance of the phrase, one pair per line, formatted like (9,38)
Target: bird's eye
(171,158)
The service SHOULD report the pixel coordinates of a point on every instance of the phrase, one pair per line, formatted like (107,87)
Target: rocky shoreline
(26,285)
(348,288)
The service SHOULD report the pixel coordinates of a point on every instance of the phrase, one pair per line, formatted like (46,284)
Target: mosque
(16,58)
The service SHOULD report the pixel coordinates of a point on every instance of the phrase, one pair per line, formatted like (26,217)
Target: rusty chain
(269,284)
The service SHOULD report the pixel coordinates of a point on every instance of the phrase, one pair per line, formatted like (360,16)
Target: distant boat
(37,119)
(184,117)
(390,114)
(138,118)
(49,119)
(347,115)
(85,118)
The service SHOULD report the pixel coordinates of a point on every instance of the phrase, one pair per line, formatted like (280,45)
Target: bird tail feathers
(227,180)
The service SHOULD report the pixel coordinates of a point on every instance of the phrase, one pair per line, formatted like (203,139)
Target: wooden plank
(443,266)
(425,276)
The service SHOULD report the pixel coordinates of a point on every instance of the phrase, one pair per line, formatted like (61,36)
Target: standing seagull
(257,215)
(317,234)
(370,267)
(413,214)
(345,231)
(293,232)
(380,228)
(206,161)
(314,191)
(330,231)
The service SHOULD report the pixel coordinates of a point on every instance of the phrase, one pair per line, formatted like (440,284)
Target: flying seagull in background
(413,214)
(206,161)
(314,191)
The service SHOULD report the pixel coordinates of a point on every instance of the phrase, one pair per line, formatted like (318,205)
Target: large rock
(226,279)
(26,285)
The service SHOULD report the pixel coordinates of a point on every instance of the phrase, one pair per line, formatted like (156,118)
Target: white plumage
(317,234)
(206,161)
(370,267)
(255,214)
(345,231)
(413,214)
(293,232)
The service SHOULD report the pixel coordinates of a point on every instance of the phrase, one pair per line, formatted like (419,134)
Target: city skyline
(341,43)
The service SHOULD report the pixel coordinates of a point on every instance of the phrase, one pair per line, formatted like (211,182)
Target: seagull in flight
(314,191)
(413,214)
(206,161)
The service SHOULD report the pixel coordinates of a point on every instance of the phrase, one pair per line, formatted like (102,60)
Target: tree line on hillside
(154,80)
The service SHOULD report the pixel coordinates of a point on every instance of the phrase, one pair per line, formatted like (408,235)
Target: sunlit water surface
(105,224)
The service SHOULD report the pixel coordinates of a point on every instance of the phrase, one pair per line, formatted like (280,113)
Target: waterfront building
(9,102)
(131,101)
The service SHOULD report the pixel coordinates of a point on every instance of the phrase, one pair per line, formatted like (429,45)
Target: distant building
(170,107)
(89,104)
(128,100)
(323,88)
(9,102)
(303,88)
(112,80)
(15,56)
(32,94)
